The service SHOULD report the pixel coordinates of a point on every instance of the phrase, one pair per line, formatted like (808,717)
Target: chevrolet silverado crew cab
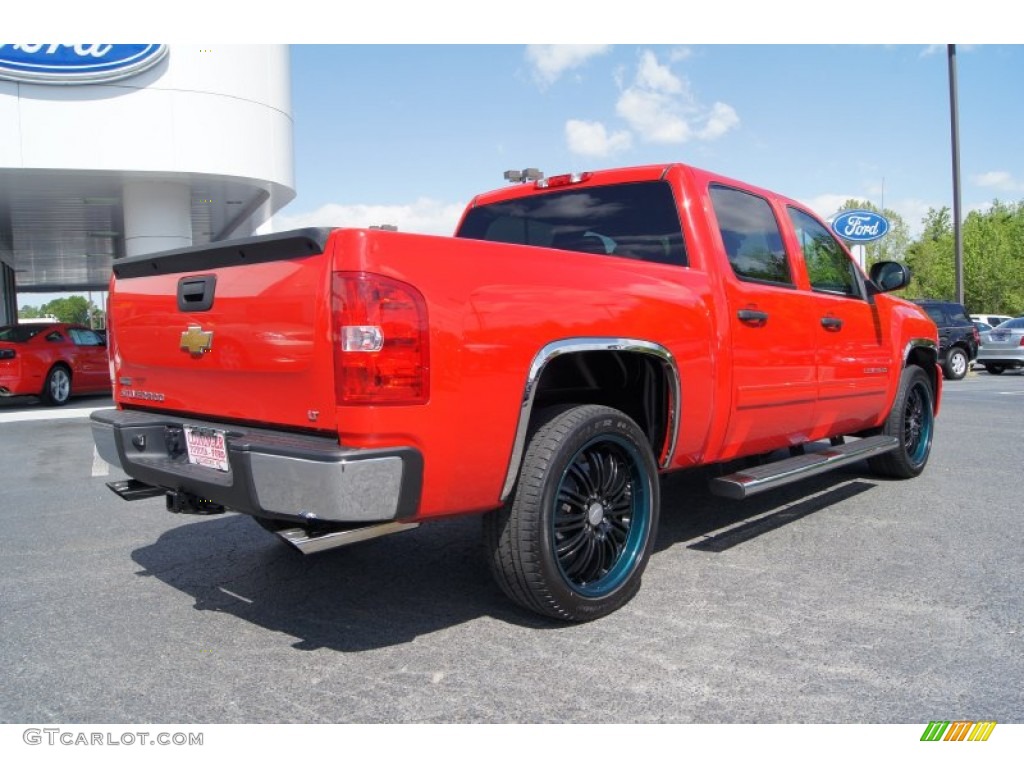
(578,336)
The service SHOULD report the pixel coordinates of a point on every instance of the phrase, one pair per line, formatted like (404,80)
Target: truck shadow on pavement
(389,591)
(708,523)
(370,595)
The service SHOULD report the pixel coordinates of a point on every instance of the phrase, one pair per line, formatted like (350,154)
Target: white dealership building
(115,150)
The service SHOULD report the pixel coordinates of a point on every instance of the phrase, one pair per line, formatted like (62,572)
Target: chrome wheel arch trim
(594,344)
(928,344)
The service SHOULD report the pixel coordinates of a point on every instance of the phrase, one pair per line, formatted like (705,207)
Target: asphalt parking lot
(842,599)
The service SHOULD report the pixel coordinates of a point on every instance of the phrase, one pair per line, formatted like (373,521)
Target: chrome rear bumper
(272,474)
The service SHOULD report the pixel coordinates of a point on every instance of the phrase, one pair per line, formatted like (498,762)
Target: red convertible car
(52,361)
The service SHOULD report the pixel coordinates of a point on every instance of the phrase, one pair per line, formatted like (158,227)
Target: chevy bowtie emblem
(196,341)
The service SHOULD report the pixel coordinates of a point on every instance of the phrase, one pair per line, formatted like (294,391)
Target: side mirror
(890,275)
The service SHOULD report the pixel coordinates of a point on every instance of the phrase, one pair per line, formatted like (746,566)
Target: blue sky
(406,134)
(442,98)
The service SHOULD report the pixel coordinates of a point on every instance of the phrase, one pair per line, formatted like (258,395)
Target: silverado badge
(196,341)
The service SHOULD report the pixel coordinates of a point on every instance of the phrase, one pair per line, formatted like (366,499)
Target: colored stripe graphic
(959,730)
(982,731)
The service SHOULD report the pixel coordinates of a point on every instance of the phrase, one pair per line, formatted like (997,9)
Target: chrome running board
(747,482)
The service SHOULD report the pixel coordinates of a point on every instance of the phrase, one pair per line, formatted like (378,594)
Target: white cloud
(425,216)
(722,119)
(998,180)
(550,62)
(826,205)
(661,108)
(655,116)
(593,139)
(653,76)
(913,212)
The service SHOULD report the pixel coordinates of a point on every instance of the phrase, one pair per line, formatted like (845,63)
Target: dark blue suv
(958,336)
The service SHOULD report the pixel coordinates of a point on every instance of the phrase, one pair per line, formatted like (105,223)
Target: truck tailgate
(233,332)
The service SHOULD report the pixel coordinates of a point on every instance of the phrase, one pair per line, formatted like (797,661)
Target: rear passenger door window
(751,236)
(828,267)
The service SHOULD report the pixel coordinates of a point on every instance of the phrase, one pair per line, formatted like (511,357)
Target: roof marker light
(565,180)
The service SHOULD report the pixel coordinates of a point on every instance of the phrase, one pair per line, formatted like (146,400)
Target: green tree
(993,258)
(71,309)
(937,224)
(930,258)
(28,312)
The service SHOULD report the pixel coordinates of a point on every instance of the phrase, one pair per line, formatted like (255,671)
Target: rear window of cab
(637,220)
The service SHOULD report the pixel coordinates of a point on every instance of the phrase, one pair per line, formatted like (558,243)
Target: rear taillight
(1021,342)
(381,345)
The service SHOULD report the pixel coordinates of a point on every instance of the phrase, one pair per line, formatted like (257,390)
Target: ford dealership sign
(65,63)
(860,226)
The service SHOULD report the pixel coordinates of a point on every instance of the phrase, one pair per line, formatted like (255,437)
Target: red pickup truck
(578,336)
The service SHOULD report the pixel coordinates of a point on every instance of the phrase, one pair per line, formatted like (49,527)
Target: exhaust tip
(307,544)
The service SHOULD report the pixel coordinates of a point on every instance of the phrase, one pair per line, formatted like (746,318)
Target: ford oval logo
(65,63)
(860,226)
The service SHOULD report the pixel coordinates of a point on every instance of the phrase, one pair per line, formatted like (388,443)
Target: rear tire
(57,389)
(995,370)
(912,421)
(956,365)
(574,540)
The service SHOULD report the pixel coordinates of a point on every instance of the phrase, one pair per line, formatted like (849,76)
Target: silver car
(1003,347)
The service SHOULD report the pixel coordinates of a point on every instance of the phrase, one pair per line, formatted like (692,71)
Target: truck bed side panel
(492,308)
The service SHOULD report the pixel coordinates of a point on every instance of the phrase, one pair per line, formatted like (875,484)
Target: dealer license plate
(206,447)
